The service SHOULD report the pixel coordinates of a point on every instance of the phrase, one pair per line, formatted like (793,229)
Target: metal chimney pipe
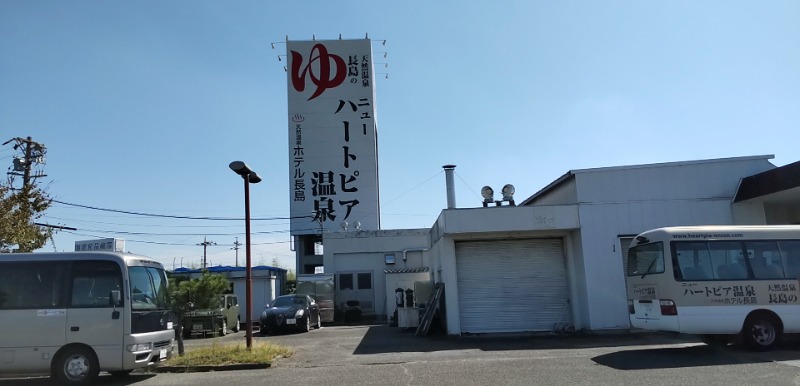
(451,190)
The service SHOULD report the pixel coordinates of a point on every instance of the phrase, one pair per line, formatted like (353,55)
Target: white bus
(74,314)
(717,281)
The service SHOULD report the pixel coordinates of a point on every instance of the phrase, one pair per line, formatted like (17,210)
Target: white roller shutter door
(512,285)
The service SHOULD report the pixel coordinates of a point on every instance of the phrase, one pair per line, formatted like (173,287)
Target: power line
(175,216)
(176,234)
(162,242)
(73,220)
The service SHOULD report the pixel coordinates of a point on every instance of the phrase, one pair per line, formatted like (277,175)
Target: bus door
(93,318)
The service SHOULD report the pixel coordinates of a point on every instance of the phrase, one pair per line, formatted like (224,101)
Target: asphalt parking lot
(376,354)
(615,357)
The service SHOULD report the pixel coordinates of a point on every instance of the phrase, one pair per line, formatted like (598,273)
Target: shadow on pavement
(665,358)
(102,379)
(700,355)
(385,339)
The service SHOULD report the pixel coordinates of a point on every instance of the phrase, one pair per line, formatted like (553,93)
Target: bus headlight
(140,347)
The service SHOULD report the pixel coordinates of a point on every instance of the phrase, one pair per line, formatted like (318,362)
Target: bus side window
(790,254)
(693,260)
(92,283)
(764,258)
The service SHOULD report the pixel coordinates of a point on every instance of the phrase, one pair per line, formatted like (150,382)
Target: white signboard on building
(333,158)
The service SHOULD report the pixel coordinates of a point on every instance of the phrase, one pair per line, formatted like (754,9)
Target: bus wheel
(75,366)
(761,332)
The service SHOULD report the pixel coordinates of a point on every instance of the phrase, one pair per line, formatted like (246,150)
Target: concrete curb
(206,368)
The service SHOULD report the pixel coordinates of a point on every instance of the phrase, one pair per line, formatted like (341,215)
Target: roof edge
(560,180)
(676,163)
(571,173)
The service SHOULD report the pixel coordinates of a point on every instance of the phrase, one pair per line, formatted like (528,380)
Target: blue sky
(143,104)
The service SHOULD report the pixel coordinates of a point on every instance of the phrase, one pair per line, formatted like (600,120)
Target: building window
(365,281)
(345,281)
(389,258)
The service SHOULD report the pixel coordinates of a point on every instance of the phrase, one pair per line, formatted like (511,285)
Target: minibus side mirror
(115,298)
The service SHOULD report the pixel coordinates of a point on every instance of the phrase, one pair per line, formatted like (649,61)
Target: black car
(290,312)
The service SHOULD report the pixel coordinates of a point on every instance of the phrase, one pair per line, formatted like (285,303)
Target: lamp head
(508,192)
(488,194)
(240,168)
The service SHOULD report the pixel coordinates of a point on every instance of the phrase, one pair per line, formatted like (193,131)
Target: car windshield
(287,301)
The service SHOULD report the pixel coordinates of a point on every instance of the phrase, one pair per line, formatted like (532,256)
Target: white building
(267,283)
(557,259)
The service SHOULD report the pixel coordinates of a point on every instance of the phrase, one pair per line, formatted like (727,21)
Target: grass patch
(228,354)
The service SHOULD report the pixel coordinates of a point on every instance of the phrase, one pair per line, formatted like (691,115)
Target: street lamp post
(249,177)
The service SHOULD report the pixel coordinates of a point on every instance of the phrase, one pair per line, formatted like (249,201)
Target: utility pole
(32,153)
(236,245)
(205,245)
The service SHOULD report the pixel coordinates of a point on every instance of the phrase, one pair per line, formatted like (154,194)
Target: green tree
(18,211)
(199,293)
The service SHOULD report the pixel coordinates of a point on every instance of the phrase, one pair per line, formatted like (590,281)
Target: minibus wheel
(75,365)
(761,332)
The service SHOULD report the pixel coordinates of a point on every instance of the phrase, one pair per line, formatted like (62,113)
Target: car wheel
(75,366)
(761,332)
(237,327)
(319,321)
(307,326)
(223,329)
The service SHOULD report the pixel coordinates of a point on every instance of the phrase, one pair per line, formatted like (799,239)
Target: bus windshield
(646,259)
(148,289)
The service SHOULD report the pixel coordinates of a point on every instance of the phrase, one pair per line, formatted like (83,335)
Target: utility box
(407,317)
(320,287)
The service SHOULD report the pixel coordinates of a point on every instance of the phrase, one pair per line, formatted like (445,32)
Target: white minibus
(717,281)
(74,314)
